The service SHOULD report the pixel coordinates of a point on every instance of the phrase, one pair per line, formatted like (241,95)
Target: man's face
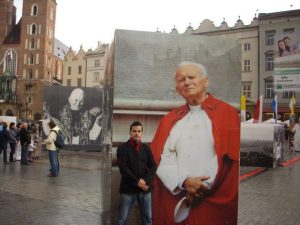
(76,99)
(136,133)
(190,82)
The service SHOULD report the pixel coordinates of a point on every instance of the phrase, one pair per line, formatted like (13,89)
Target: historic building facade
(274,27)
(27,53)
(95,61)
(85,69)
(74,68)
(258,46)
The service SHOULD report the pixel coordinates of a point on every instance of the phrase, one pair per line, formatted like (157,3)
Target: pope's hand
(195,186)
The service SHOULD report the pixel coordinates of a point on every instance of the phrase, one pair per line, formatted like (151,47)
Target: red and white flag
(257,118)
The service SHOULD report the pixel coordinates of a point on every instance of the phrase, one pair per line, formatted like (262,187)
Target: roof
(15,35)
(60,49)
(289,13)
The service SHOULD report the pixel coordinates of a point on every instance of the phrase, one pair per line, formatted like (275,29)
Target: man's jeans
(53,162)
(126,203)
(24,152)
(3,147)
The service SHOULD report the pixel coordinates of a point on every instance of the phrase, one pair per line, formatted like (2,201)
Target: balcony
(8,97)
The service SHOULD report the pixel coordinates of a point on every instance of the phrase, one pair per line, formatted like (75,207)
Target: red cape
(221,205)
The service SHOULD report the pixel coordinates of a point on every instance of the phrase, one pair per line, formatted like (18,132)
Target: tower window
(32,43)
(30,74)
(33,29)
(34,10)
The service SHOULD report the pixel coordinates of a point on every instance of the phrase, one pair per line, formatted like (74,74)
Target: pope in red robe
(219,205)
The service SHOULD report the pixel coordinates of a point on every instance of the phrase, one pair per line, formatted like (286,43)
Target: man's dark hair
(11,125)
(135,124)
(51,124)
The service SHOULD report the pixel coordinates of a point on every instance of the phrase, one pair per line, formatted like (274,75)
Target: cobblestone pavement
(76,196)
(271,198)
(81,193)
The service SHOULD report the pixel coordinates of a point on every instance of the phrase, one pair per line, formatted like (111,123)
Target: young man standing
(137,168)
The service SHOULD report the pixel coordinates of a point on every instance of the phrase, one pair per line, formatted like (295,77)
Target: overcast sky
(87,22)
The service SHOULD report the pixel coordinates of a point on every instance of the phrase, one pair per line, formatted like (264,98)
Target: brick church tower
(7,17)
(36,58)
(27,59)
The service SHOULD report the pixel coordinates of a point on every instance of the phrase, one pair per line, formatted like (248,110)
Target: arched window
(30,74)
(10,61)
(32,43)
(9,113)
(34,10)
(33,29)
(31,59)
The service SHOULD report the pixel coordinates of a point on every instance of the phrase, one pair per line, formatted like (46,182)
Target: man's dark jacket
(135,164)
(24,135)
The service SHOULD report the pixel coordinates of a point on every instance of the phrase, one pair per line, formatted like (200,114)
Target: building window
(51,14)
(10,61)
(30,74)
(68,82)
(79,82)
(269,61)
(69,70)
(32,43)
(31,59)
(79,69)
(96,76)
(33,29)
(247,66)
(270,37)
(269,89)
(29,100)
(34,10)
(288,31)
(288,94)
(246,89)
(247,47)
(97,63)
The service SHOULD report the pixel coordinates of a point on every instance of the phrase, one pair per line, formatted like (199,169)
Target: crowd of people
(21,139)
(24,141)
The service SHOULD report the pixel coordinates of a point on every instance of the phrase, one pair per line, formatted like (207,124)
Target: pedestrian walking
(4,139)
(13,142)
(25,140)
(18,145)
(52,149)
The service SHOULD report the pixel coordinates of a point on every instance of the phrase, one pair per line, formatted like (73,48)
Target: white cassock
(188,152)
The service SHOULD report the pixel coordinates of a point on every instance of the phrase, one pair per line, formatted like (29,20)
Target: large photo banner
(78,112)
(152,74)
(287,62)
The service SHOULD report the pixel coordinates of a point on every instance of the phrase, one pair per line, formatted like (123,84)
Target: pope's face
(136,133)
(76,100)
(190,82)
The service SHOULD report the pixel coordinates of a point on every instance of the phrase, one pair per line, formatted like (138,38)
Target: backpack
(60,139)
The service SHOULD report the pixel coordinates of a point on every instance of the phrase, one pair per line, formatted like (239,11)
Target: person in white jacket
(52,150)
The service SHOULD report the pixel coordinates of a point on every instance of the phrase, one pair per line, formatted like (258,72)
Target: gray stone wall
(145,64)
